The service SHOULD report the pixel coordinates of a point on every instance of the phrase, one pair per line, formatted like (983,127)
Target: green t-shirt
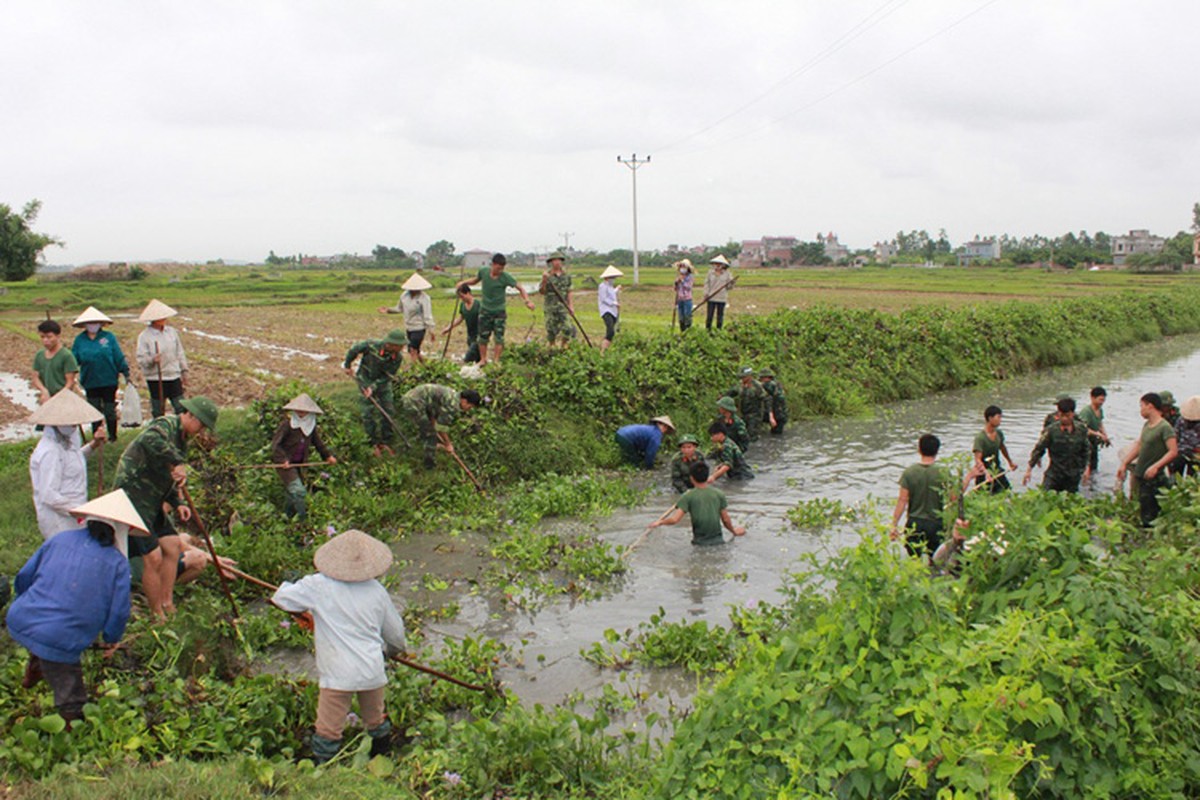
(1154,446)
(989,448)
(494,289)
(924,484)
(53,371)
(471,320)
(705,506)
(1092,419)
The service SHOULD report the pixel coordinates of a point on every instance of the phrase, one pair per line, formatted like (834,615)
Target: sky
(204,130)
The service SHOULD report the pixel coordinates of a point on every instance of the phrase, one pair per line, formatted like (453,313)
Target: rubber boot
(324,749)
(381,739)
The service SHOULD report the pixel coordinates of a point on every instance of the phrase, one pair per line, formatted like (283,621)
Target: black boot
(381,739)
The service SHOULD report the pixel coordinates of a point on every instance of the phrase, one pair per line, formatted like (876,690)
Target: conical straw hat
(1190,410)
(91,314)
(665,420)
(719,259)
(353,556)
(156,310)
(65,408)
(114,506)
(611,272)
(303,402)
(416,283)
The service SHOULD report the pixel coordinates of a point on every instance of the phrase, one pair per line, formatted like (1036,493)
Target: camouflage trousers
(558,324)
(379,430)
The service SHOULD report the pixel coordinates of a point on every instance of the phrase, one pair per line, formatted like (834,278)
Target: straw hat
(156,310)
(719,259)
(665,420)
(202,409)
(611,272)
(91,314)
(1190,410)
(685,263)
(115,507)
(303,402)
(353,556)
(65,408)
(416,283)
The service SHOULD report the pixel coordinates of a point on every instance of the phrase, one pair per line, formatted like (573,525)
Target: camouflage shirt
(144,471)
(437,403)
(776,402)
(1068,449)
(681,470)
(729,453)
(737,430)
(560,282)
(376,366)
(751,400)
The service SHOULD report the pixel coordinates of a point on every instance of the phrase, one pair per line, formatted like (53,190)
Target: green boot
(324,749)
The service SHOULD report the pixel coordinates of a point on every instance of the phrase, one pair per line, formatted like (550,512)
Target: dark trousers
(715,309)
(171,390)
(1148,498)
(923,536)
(66,681)
(610,325)
(1061,481)
(104,400)
(685,314)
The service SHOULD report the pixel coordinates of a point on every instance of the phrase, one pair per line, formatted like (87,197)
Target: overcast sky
(200,130)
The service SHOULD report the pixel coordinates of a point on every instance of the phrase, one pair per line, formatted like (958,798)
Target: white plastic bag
(131,407)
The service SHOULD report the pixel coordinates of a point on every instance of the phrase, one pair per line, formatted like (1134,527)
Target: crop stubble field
(248,329)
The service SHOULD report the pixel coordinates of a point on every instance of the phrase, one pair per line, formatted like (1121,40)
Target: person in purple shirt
(639,443)
(75,587)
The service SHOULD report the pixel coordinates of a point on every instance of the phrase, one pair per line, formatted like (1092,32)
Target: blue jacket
(645,439)
(100,360)
(72,589)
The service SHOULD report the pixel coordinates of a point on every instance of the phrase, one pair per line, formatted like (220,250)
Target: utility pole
(567,240)
(633,163)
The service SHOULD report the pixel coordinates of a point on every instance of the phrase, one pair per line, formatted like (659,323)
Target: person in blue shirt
(75,587)
(639,443)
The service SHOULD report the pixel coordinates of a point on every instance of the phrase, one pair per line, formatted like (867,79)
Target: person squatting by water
(639,444)
(433,408)
(296,434)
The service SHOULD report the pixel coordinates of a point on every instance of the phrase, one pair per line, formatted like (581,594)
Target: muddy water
(857,461)
(21,392)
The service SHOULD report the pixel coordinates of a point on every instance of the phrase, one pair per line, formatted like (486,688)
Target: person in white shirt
(417,309)
(609,302)
(355,622)
(161,357)
(58,466)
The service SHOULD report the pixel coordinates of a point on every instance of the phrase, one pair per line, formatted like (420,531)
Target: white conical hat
(353,556)
(611,272)
(91,314)
(303,402)
(114,506)
(1190,410)
(719,259)
(156,310)
(65,408)
(416,283)
(665,420)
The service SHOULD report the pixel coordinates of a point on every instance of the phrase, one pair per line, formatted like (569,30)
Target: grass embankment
(186,693)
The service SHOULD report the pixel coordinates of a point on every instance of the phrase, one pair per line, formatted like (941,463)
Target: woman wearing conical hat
(101,364)
(716,289)
(58,466)
(296,435)
(608,300)
(74,588)
(354,622)
(417,309)
(161,357)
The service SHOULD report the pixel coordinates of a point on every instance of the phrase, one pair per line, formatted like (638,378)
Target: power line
(858,29)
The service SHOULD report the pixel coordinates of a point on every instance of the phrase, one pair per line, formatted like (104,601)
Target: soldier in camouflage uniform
(380,359)
(776,414)
(727,456)
(433,407)
(682,462)
(556,288)
(727,415)
(150,471)
(751,401)
(1066,440)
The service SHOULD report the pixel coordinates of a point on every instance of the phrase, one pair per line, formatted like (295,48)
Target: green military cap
(744,371)
(687,438)
(396,337)
(1168,398)
(766,373)
(727,404)
(554,256)
(202,409)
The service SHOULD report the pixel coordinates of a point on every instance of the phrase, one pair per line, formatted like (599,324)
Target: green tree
(20,246)
(809,254)
(441,253)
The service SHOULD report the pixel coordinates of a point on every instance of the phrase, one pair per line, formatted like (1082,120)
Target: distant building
(835,251)
(1136,243)
(769,250)
(886,251)
(1196,249)
(752,254)
(474,259)
(979,250)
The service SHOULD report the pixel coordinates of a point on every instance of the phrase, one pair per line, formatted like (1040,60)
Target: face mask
(92,327)
(64,431)
(305,423)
